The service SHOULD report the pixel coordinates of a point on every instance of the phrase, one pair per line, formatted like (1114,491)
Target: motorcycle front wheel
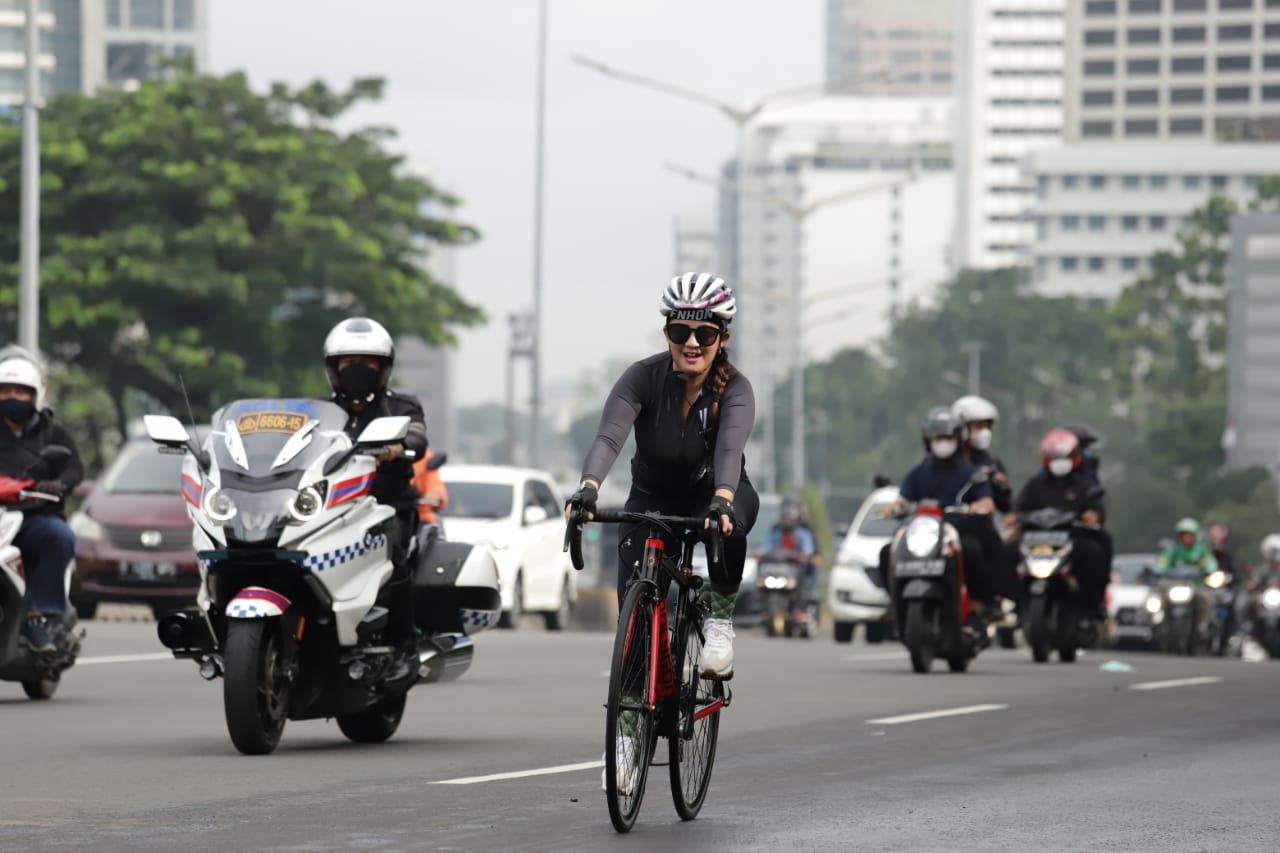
(1039,619)
(255,689)
(919,636)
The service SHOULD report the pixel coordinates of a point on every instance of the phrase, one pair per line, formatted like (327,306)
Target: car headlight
(306,505)
(1271,598)
(1154,605)
(218,505)
(1180,594)
(1216,579)
(84,526)
(1042,568)
(922,536)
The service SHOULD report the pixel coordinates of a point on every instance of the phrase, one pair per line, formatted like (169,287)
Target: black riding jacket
(393,482)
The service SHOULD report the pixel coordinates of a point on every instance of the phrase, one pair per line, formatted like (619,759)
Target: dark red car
(133,536)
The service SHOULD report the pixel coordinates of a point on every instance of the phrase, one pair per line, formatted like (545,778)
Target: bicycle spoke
(629,732)
(693,748)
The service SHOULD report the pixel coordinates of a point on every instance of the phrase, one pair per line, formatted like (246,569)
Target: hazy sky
(461,77)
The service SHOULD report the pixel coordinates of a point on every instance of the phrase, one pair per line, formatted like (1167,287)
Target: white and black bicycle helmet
(699,296)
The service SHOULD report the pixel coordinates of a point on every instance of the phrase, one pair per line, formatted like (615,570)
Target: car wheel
(86,608)
(844,632)
(558,619)
(511,618)
(876,632)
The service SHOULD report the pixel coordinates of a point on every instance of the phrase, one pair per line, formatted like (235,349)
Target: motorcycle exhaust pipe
(446,659)
(185,631)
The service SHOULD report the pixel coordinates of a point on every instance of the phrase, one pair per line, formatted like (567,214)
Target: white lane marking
(1176,682)
(521,774)
(124,658)
(933,715)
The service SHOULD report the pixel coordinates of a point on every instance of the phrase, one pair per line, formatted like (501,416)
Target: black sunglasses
(679,333)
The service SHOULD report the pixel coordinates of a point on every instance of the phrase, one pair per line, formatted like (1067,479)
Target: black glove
(50,487)
(721,507)
(585,498)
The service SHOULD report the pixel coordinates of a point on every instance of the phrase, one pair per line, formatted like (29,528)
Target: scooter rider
(46,542)
(359,355)
(791,534)
(979,416)
(945,476)
(1062,485)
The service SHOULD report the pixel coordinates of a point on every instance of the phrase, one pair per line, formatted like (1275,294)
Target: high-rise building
(1147,70)
(123,39)
(695,245)
(1253,338)
(1102,209)
(899,47)
(1009,65)
(13,58)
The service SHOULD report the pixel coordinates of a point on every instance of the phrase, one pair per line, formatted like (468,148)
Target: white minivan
(518,513)
(856,592)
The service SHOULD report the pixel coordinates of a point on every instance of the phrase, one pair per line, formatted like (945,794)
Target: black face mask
(16,410)
(358,381)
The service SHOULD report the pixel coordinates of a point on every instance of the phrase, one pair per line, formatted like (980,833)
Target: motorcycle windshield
(261,445)
(1048,518)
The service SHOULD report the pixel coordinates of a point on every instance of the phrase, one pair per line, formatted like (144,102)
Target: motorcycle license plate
(921,568)
(1050,538)
(147,571)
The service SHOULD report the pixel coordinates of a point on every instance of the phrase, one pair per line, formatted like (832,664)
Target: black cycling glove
(585,498)
(721,507)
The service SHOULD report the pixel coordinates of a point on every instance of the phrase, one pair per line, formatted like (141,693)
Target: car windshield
(875,526)
(140,468)
(1130,568)
(767,518)
(479,500)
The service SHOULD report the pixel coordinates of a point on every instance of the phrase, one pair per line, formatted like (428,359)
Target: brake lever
(573,539)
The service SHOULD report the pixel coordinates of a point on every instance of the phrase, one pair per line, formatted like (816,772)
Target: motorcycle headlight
(1041,569)
(1271,598)
(218,505)
(1180,594)
(306,505)
(1154,605)
(922,536)
(1216,579)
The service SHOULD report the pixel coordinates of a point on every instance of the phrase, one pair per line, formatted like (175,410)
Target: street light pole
(974,349)
(535,360)
(29,280)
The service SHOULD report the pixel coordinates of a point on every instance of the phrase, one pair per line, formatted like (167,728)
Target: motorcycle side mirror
(437,460)
(880,481)
(383,431)
(1096,492)
(978,478)
(55,453)
(166,430)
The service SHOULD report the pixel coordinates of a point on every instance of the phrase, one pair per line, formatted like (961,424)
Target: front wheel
(876,632)
(511,618)
(844,632)
(1039,619)
(40,688)
(692,747)
(919,636)
(377,723)
(255,689)
(629,724)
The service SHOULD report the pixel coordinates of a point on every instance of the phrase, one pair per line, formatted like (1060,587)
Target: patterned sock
(628,721)
(722,604)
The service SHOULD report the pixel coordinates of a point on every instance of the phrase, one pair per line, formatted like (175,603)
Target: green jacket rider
(1189,550)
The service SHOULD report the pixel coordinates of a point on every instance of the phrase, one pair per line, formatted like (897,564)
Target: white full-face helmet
(359,336)
(26,373)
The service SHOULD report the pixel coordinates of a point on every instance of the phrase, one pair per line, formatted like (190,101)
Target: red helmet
(1059,444)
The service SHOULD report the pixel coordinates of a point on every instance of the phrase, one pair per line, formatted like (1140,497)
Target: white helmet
(972,409)
(699,296)
(1271,547)
(24,372)
(359,336)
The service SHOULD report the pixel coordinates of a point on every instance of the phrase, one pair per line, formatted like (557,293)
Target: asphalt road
(826,747)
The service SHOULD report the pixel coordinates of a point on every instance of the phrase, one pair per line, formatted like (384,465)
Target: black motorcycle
(1182,614)
(789,608)
(1055,614)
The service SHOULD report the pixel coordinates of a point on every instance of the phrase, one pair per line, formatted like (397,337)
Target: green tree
(196,228)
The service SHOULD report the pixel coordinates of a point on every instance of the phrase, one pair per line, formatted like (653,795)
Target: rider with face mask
(358,356)
(1060,484)
(46,542)
(979,417)
(945,476)
(791,534)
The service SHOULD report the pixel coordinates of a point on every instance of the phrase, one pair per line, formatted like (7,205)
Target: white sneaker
(626,750)
(716,661)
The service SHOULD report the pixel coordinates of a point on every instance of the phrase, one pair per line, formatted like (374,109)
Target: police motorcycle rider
(945,476)
(1061,484)
(45,540)
(359,355)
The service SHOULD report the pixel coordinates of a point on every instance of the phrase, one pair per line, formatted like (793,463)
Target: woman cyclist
(692,413)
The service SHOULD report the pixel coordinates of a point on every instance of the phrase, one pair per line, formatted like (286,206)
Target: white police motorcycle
(294,562)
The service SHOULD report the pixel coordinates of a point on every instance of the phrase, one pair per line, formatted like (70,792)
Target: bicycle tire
(691,759)
(635,628)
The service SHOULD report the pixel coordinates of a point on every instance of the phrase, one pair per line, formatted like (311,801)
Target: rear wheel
(1039,616)
(919,636)
(86,608)
(844,632)
(692,747)
(1068,633)
(40,688)
(959,663)
(558,619)
(255,691)
(1006,638)
(629,725)
(511,618)
(376,723)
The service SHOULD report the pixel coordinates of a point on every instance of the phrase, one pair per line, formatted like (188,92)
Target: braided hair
(721,372)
